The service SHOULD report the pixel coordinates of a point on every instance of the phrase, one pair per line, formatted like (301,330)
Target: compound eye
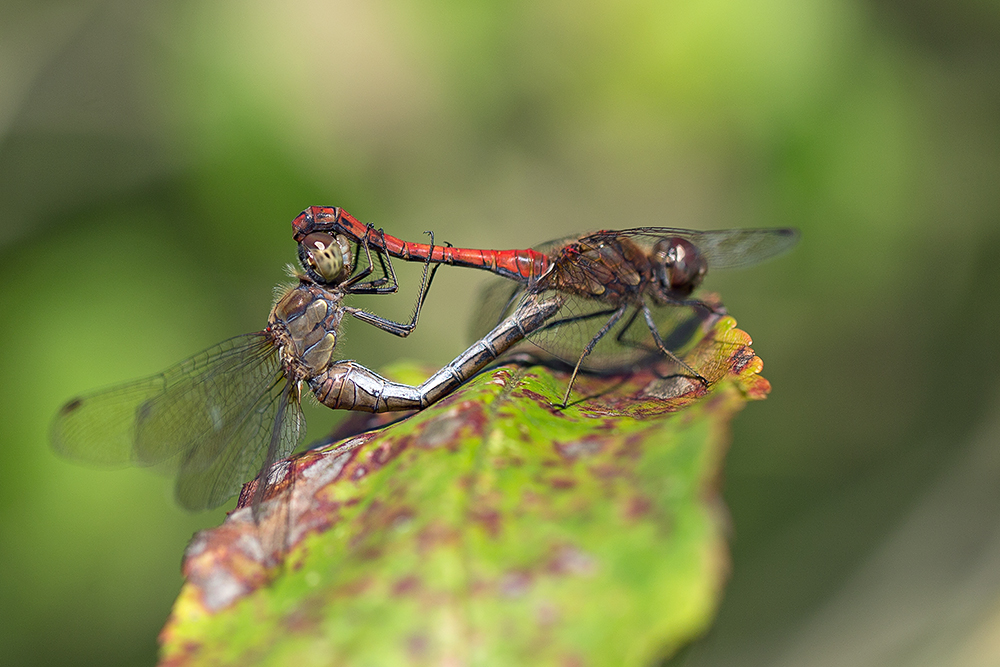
(681,266)
(324,255)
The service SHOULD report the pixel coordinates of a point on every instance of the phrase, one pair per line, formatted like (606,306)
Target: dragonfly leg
(617,315)
(356,276)
(385,262)
(620,336)
(398,328)
(577,318)
(387,284)
(663,347)
(696,303)
(378,285)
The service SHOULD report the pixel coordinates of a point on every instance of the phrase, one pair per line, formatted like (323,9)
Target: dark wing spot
(71,406)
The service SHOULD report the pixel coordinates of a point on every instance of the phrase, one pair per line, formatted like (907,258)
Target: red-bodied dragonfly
(620,287)
(229,413)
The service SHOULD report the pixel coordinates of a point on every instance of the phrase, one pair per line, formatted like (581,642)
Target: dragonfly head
(680,266)
(325,258)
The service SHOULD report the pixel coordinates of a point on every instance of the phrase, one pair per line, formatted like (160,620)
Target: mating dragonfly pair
(597,301)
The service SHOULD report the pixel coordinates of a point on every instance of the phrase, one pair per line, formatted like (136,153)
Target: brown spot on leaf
(417,646)
(386,452)
(440,432)
(632,448)
(511,461)
(606,471)
(637,507)
(401,519)
(539,399)
(369,553)
(406,586)
(466,481)
(488,518)
(562,483)
(547,614)
(352,589)
(515,584)
(741,359)
(568,559)
(434,535)
(304,618)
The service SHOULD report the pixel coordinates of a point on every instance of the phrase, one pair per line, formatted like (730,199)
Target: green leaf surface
(493,528)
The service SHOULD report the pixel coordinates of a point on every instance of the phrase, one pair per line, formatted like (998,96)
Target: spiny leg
(696,303)
(355,285)
(663,347)
(397,328)
(621,338)
(573,319)
(590,348)
(425,282)
(356,275)
(387,271)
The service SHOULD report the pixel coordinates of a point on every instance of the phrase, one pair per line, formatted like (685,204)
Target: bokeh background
(152,155)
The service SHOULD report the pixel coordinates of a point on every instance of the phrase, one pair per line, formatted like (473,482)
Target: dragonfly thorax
(304,324)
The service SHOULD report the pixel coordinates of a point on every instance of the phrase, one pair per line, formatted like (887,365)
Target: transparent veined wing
(210,418)
(722,248)
(567,333)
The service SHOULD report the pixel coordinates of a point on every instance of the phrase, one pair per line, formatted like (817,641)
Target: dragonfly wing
(217,469)
(498,298)
(738,248)
(675,325)
(722,248)
(206,416)
(567,333)
(99,429)
(204,400)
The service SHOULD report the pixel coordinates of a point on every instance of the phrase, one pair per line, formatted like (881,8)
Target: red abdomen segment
(522,265)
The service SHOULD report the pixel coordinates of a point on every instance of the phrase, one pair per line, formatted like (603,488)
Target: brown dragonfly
(620,288)
(228,413)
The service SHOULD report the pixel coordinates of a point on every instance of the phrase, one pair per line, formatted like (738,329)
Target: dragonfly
(621,288)
(229,413)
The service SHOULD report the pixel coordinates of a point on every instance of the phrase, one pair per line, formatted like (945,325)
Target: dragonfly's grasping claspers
(229,413)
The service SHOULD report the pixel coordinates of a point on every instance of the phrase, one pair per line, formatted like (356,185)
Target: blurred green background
(153,154)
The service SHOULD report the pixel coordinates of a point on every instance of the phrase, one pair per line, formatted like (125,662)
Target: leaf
(493,528)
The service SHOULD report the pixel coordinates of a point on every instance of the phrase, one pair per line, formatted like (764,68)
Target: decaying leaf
(494,528)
